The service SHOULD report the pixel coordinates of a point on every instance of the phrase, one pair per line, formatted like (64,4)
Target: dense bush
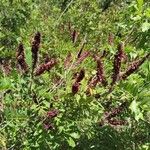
(75,75)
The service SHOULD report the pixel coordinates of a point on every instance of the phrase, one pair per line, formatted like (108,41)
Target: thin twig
(64,11)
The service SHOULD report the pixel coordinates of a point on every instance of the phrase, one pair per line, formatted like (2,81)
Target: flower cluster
(100,72)
(116,122)
(45,67)
(134,67)
(75,87)
(50,115)
(117,63)
(80,76)
(78,79)
(20,57)
(35,48)
(100,76)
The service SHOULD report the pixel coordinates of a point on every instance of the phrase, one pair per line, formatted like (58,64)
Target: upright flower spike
(117,63)
(134,67)
(35,49)
(80,75)
(100,76)
(45,67)
(78,79)
(75,87)
(100,72)
(20,57)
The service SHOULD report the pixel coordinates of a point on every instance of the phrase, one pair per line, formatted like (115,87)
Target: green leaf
(47,104)
(5,84)
(71,142)
(75,135)
(28,56)
(134,106)
(2,141)
(147,12)
(78,97)
(136,110)
(140,4)
(136,18)
(145,26)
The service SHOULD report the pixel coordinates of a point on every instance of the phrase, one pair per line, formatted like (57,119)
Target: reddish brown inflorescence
(117,63)
(45,67)
(100,75)
(35,49)
(80,76)
(78,79)
(116,122)
(75,87)
(134,67)
(100,72)
(20,57)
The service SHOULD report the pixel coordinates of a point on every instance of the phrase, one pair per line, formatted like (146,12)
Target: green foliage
(81,121)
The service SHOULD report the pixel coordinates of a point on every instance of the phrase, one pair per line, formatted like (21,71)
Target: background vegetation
(55,108)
